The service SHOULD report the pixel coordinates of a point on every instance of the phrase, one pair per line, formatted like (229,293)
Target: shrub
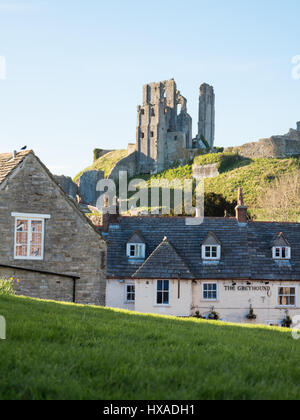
(251,315)
(287,322)
(213,316)
(6,287)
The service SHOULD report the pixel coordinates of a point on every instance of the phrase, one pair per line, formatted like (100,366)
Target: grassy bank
(61,351)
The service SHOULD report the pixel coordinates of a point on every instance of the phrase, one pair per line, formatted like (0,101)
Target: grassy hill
(64,351)
(105,163)
(255,176)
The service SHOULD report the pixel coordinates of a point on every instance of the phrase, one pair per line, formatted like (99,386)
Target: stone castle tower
(162,134)
(164,127)
(206,124)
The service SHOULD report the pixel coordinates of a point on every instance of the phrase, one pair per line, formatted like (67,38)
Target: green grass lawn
(63,351)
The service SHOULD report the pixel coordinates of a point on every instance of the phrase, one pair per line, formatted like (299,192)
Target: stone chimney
(241,209)
(110,214)
(298,126)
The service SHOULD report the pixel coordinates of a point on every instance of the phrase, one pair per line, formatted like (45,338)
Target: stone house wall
(71,244)
(40,286)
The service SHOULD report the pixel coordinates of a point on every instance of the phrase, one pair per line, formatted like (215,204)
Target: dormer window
(136,251)
(281,253)
(281,249)
(136,247)
(211,248)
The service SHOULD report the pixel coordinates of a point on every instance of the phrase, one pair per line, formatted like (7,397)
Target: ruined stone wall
(67,184)
(98,153)
(128,164)
(72,246)
(274,147)
(88,186)
(157,118)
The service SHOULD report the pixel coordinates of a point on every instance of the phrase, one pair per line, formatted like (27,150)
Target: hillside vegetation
(258,178)
(66,351)
(255,176)
(105,163)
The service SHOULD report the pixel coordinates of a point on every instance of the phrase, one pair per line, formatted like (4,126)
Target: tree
(216,205)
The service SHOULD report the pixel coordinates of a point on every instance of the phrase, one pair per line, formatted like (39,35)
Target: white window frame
(30,218)
(169,291)
(217,291)
(204,257)
(288,252)
(289,287)
(137,256)
(126,292)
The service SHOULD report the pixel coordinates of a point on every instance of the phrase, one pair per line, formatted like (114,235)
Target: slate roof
(8,164)
(246,250)
(164,263)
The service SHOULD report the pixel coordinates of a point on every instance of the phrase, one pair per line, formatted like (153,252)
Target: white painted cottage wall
(234,305)
(145,295)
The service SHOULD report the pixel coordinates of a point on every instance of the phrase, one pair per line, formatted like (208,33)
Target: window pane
(292,291)
(35,251)
(159,285)
(207,251)
(166,298)
(22,225)
(292,300)
(22,238)
(166,285)
(21,251)
(159,298)
(36,238)
(36,226)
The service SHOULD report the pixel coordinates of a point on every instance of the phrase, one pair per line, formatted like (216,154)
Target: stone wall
(67,184)
(98,153)
(274,147)
(72,246)
(88,186)
(128,164)
(205,171)
(41,286)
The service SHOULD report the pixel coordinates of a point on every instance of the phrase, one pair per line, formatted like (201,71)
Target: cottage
(48,246)
(231,266)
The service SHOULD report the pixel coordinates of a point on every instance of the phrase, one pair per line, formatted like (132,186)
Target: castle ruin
(164,127)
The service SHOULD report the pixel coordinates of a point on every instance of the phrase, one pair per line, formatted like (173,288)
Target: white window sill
(162,306)
(29,258)
(210,300)
(286,307)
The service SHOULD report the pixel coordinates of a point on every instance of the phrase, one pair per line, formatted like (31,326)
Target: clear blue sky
(75,70)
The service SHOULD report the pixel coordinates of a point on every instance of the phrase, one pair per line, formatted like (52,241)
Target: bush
(287,322)
(251,315)
(6,287)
